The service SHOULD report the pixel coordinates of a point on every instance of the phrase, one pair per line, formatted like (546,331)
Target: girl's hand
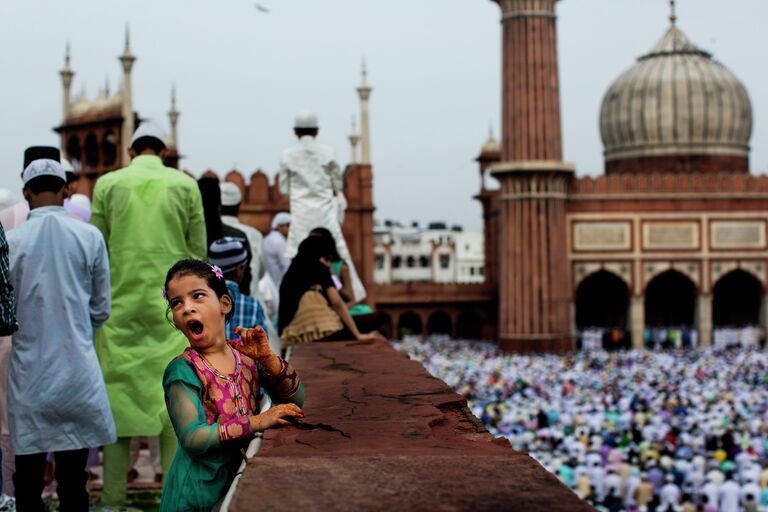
(276,416)
(254,343)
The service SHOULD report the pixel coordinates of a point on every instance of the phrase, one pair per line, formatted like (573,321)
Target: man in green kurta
(151,216)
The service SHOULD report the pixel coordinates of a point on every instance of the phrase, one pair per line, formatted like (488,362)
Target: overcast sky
(242,74)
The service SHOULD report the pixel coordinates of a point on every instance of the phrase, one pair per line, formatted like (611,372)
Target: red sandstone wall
(679,163)
(659,192)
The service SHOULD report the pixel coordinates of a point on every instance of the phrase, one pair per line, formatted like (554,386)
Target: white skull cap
(148,129)
(306,120)
(230,194)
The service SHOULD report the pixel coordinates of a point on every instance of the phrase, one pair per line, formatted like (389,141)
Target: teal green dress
(205,466)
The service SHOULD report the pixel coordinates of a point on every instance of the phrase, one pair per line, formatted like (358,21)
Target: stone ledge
(382,434)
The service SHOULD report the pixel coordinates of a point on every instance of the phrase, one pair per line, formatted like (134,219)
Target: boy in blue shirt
(231,255)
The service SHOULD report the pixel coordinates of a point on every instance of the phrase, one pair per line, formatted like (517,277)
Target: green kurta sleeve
(196,236)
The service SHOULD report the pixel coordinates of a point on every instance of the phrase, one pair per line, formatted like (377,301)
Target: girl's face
(197,311)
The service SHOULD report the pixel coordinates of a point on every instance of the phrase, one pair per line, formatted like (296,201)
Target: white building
(435,254)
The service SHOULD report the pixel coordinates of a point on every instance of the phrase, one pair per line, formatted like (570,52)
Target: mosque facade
(96,134)
(672,235)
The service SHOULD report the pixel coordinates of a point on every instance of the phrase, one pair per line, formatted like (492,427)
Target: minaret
(354,138)
(127,59)
(672,13)
(364,91)
(534,274)
(173,115)
(66,81)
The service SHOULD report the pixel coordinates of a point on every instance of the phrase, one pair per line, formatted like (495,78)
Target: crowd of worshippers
(152,312)
(626,431)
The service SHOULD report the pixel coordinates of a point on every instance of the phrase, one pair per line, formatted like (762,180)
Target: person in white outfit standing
(311,178)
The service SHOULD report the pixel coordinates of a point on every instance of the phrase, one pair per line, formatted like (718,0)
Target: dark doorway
(670,300)
(410,323)
(73,153)
(602,300)
(386,325)
(91,151)
(109,149)
(439,323)
(469,326)
(737,299)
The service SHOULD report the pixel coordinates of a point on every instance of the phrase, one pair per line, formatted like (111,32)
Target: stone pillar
(534,275)
(764,315)
(637,320)
(704,319)
(66,82)
(364,91)
(127,60)
(531,91)
(173,117)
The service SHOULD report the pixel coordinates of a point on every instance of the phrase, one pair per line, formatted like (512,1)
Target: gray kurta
(56,395)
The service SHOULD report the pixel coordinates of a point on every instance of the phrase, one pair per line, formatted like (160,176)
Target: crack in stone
(321,426)
(345,396)
(306,444)
(331,359)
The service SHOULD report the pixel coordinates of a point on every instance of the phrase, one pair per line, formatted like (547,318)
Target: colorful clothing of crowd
(661,430)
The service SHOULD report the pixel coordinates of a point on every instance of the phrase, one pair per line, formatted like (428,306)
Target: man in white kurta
(310,176)
(57,399)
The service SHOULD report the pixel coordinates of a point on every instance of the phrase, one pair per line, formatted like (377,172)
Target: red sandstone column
(534,277)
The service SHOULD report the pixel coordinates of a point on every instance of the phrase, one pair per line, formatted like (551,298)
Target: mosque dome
(81,106)
(676,109)
(491,146)
(491,149)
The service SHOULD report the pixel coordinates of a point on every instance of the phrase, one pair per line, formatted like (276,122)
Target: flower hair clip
(165,294)
(217,271)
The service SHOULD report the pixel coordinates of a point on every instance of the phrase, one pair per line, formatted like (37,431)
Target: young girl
(212,388)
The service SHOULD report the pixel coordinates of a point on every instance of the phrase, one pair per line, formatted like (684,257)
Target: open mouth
(195,327)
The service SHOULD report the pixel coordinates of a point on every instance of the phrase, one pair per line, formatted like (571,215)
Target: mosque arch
(74,151)
(736,299)
(439,322)
(409,323)
(469,325)
(670,300)
(109,149)
(602,300)
(91,150)
(385,328)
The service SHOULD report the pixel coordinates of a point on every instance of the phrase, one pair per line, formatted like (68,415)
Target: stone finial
(354,138)
(672,13)
(173,116)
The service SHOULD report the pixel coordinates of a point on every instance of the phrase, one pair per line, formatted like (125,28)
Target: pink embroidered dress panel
(228,399)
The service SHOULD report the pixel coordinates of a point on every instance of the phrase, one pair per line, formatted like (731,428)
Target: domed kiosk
(676,109)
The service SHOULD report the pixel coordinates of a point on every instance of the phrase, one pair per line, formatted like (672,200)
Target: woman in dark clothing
(210,192)
(311,308)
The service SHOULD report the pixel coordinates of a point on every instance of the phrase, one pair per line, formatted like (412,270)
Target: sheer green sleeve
(183,398)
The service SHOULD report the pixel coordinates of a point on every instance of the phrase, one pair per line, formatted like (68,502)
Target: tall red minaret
(534,276)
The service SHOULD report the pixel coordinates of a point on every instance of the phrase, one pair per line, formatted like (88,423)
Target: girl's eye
(198,295)
(175,303)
